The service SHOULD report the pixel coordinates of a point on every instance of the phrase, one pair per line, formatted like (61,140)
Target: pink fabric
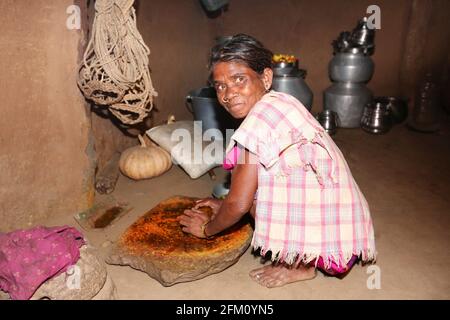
(231,158)
(308,206)
(334,269)
(30,257)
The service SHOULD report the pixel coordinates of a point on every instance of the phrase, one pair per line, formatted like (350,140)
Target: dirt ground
(405,177)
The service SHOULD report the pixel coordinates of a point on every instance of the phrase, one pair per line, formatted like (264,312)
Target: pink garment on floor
(334,268)
(30,257)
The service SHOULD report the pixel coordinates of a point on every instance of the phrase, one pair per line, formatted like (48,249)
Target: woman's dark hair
(241,48)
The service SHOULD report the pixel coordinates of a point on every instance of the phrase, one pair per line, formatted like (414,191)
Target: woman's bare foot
(276,276)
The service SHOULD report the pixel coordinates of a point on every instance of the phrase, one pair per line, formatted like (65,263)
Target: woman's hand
(214,204)
(193,220)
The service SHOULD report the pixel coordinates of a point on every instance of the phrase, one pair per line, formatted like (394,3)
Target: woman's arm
(239,201)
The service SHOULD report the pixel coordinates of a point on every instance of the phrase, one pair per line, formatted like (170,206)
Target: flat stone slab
(155,244)
(81,282)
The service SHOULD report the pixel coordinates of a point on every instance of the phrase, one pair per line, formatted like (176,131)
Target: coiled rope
(115,72)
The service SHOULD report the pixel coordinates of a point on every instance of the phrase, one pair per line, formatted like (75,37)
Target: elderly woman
(287,172)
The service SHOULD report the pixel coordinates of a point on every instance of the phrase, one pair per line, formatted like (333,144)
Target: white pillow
(194,151)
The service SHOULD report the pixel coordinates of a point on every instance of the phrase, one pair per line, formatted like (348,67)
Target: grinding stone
(155,244)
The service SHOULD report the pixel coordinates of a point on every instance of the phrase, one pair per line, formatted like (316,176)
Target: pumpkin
(144,162)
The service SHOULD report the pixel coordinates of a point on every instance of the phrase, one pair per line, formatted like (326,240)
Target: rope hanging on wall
(115,71)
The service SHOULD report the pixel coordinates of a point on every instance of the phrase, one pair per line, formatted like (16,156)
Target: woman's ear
(267,78)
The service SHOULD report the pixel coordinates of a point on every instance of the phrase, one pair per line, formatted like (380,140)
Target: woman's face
(238,87)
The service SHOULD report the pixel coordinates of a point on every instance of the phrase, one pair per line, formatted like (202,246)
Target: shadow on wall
(131,131)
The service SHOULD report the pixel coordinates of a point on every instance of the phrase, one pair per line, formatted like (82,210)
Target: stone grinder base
(88,280)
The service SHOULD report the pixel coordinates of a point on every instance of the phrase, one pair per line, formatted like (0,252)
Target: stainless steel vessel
(397,107)
(205,107)
(348,94)
(289,79)
(350,69)
(376,118)
(329,121)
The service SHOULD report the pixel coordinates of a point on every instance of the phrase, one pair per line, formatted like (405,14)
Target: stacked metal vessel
(350,70)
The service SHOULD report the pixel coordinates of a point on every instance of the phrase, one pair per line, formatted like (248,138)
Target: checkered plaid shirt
(308,204)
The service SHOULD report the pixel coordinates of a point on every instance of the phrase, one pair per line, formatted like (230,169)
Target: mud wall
(427,47)
(45,167)
(179,34)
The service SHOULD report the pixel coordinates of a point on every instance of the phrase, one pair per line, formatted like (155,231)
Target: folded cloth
(30,257)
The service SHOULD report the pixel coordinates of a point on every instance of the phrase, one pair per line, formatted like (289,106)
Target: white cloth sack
(195,152)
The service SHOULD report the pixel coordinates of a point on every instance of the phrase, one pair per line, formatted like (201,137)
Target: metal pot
(367,51)
(397,107)
(351,67)
(348,95)
(290,80)
(376,118)
(204,105)
(348,101)
(343,42)
(285,67)
(329,120)
(362,35)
